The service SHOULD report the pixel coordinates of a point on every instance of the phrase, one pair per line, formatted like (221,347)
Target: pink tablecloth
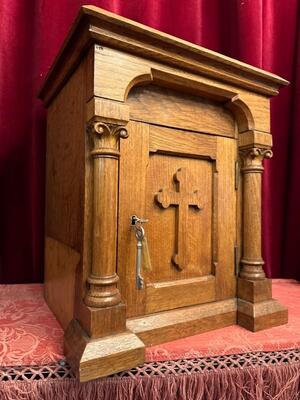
(30,334)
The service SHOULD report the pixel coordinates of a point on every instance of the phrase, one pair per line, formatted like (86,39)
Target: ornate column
(256,308)
(97,341)
(102,281)
(252,168)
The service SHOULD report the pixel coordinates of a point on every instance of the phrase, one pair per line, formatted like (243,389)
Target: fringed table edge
(254,375)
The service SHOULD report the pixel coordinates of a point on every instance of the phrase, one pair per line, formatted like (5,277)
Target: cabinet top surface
(94,25)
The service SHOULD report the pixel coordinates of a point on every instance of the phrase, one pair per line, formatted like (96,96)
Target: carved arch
(229,98)
(139,79)
(242,113)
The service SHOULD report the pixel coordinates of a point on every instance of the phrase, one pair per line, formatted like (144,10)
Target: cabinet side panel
(65,166)
(65,163)
(61,262)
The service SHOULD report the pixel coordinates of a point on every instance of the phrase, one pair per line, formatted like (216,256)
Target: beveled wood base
(96,358)
(261,315)
(174,324)
(256,308)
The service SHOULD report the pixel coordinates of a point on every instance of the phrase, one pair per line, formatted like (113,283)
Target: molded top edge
(165,37)
(95,26)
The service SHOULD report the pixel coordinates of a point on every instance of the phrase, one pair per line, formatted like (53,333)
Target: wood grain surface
(61,263)
(183,322)
(140,122)
(180,110)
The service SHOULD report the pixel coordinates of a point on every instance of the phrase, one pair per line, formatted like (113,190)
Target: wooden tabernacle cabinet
(142,123)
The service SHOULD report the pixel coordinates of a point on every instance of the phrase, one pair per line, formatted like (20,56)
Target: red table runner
(229,363)
(30,334)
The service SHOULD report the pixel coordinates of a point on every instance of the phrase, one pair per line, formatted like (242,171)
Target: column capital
(105,138)
(253,157)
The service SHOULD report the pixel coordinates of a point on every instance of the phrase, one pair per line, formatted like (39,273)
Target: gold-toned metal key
(146,260)
(142,251)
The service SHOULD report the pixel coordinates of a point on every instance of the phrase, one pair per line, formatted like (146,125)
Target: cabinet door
(183,183)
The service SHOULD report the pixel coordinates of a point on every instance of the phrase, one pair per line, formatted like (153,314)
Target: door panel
(171,177)
(166,225)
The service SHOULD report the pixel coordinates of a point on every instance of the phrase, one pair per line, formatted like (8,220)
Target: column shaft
(252,262)
(102,281)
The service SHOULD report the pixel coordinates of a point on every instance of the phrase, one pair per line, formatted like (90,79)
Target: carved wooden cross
(183,199)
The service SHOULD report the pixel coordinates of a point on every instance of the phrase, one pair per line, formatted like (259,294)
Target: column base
(258,316)
(102,291)
(254,290)
(256,310)
(96,358)
(98,322)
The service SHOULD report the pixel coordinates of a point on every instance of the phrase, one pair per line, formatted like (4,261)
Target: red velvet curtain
(264,33)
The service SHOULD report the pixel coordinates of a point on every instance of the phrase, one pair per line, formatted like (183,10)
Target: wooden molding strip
(95,25)
(187,321)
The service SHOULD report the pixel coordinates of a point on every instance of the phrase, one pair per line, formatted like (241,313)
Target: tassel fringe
(280,382)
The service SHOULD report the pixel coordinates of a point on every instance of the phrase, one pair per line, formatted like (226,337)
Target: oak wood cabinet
(142,123)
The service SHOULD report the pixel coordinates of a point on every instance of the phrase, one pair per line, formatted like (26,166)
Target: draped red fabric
(264,33)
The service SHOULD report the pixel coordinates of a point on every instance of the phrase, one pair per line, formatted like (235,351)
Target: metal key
(139,234)
(136,224)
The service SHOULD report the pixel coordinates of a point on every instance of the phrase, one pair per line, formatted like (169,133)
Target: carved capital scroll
(252,168)
(253,157)
(102,280)
(105,138)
